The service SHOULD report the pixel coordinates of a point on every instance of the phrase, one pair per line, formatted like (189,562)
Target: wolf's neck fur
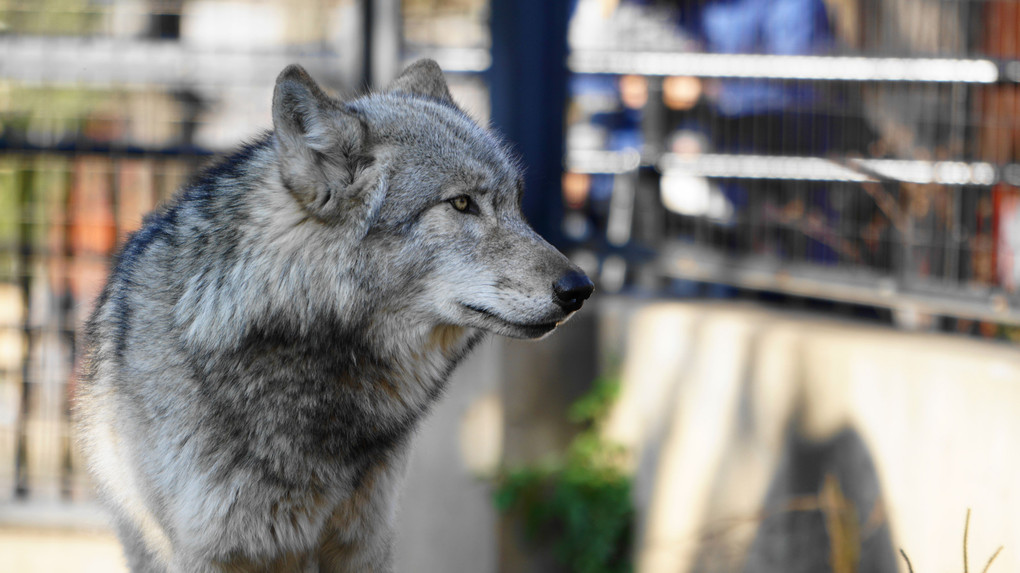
(381,393)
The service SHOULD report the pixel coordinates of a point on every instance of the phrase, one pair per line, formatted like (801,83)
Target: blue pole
(528,89)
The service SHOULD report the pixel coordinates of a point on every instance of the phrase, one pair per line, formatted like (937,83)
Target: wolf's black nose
(572,290)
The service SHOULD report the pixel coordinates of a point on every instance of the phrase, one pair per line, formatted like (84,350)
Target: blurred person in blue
(755,116)
(740,116)
(778,27)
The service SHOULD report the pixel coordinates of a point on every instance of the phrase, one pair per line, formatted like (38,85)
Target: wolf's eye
(464,204)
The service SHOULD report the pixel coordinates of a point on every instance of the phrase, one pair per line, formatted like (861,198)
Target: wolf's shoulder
(207,196)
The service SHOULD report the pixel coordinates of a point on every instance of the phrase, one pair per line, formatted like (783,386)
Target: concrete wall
(736,415)
(447,521)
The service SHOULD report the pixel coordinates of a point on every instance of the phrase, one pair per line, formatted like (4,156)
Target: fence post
(528,88)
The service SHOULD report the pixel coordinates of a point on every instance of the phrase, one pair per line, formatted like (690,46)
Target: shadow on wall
(764,441)
(823,512)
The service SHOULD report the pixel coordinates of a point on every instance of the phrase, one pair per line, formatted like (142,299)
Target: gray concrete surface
(447,522)
(735,416)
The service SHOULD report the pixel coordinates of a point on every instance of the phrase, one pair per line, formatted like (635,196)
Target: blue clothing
(783,27)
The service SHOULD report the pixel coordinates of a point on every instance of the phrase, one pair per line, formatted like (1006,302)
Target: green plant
(580,504)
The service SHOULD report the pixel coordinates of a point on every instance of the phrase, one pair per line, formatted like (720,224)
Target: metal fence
(854,151)
(63,213)
(867,154)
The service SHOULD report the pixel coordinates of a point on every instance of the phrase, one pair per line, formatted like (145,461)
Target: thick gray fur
(268,341)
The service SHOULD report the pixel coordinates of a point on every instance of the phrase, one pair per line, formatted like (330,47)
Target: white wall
(715,394)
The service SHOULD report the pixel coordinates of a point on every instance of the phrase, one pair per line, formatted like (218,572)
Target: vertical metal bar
(21,470)
(113,185)
(654,120)
(905,261)
(159,179)
(528,89)
(957,138)
(646,207)
(67,321)
(367,25)
(386,39)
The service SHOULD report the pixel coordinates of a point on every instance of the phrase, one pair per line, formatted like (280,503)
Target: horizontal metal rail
(782,67)
(735,166)
(105,61)
(822,169)
(85,147)
(851,285)
(48,60)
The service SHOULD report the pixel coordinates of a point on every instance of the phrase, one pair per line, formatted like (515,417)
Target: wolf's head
(429,201)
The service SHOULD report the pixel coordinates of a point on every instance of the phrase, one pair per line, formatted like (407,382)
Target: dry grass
(846,535)
(966,559)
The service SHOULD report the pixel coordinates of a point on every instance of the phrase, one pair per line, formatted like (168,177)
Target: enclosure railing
(876,166)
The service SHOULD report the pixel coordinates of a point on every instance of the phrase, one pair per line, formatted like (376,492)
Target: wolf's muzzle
(572,290)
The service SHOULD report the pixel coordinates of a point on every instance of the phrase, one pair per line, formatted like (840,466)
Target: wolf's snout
(572,290)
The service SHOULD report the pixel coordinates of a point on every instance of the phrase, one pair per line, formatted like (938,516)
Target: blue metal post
(528,83)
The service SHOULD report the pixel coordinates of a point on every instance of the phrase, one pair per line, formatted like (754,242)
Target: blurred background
(802,218)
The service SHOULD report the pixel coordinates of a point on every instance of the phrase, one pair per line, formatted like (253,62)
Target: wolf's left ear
(424,78)
(320,144)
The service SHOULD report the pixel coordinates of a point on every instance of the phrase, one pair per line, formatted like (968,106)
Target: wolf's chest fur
(319,422)
(327,395)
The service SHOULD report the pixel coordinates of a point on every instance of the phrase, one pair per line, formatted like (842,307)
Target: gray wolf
(269,339)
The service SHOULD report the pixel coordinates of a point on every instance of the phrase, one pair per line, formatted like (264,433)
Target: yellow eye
(462,203)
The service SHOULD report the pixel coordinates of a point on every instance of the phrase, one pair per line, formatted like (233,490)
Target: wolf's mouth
(531,329)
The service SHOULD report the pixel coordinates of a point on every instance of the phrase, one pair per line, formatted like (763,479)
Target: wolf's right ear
(424,78)
(319,144)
